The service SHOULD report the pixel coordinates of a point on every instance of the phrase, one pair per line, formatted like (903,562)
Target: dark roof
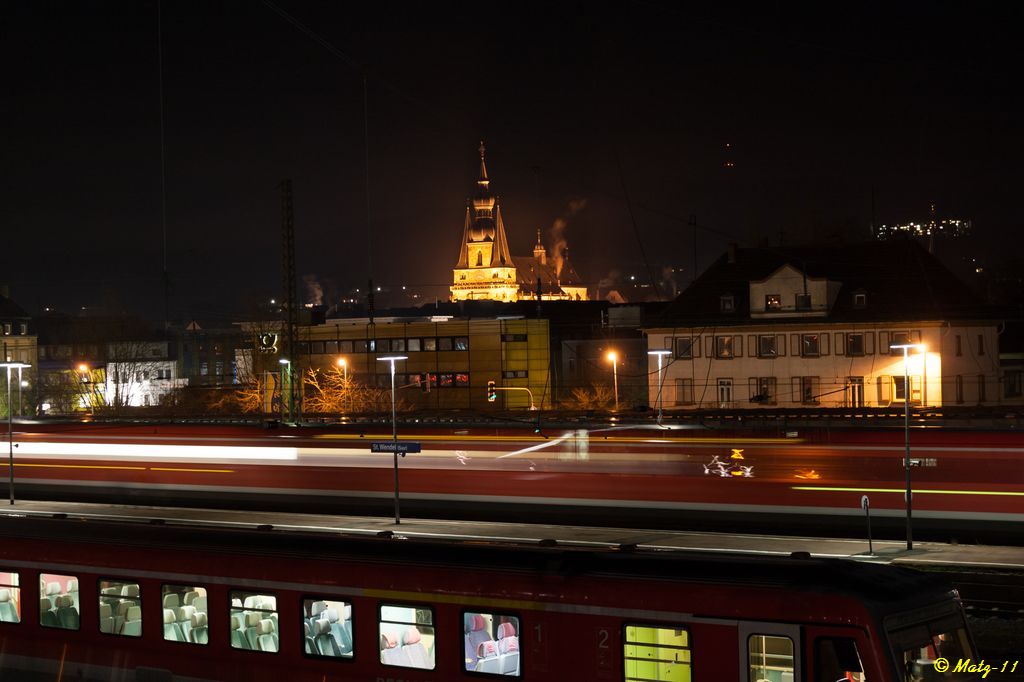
(9,309)
(900,279)
(528,268)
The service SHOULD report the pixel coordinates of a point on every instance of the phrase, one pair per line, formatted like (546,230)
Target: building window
(331,347)
(899,389)
(327,623)
(684,348)
(981,388)
(959,346)
(344,346)
(23,328)
(860,300)
(7,328)
(959,389)
(185,615)
(462,379)
(1013,384)
(656,653)
(430,344)
(854,344)
(773,302)
(217,366)
(316,347)
(803,301)
(204,368)
(981,344)
(359,346)
(10,597)
(725,392)
(684,391)
(899,339)
(726,303)
(770,657)
(120,608)
(808,390)
(723,347)
(491,644)
(406,636)
(413,345)
(767,346)
(513,338)
(763,390)
(444,343)
(810,345)
(461,343)
(520,373)
(253,621)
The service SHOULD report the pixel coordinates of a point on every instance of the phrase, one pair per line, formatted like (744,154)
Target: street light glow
(612,356)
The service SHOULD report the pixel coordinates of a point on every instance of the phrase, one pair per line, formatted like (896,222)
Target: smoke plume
(559,243)
(314,292)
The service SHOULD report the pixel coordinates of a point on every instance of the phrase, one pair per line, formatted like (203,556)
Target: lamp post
(661,386)
(906,431)
(613,358)
(394,426)
(287,370)
(10,422)
(344,368)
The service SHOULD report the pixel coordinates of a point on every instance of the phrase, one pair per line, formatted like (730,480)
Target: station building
(815,326)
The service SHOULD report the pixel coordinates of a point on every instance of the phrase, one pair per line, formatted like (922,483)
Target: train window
(657,653)
(120,608)
(253,621)
(327,624)
(838,659)
(491,643)
(771,657)
(406,636)
(10,598)
(186,618)
(918,644)
(58,601)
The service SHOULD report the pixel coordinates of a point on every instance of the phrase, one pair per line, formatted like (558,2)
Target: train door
(770,652)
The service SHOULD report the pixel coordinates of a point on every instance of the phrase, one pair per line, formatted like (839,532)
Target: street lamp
(394,425)
(344,368)
(661,385)
(613,358)
(287,368)
(10,422)
(906,429)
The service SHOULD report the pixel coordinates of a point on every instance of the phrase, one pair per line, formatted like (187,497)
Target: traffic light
(425,382)
(492,394)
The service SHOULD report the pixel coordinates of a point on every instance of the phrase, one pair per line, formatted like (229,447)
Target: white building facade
(756,333)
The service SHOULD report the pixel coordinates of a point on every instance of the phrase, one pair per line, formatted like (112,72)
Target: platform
(924,554)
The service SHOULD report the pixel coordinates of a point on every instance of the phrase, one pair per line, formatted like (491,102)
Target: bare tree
(330,391)
(597,397)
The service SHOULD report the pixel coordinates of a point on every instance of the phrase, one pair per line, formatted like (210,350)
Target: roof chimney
(732,252)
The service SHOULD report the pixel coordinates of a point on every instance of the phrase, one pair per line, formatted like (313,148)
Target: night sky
(909,103)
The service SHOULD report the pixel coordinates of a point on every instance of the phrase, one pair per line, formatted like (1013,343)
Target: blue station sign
(401,447)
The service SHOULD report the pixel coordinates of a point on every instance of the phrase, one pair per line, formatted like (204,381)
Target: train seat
(130,592)
(171,631)
(252,624)
(267,640)
(7,612)
(200,604)
(133,622)
(106,619)
(308,638)
(189,597)
(73,592)
(391,653)
(171,601)
(508,655)
(121,616)
(338,631)
(183,616)
(199,632)
(67,614)
(346,620)
(476,634)
(487,658)
(323,640)
(47,615)
(238,640)
(414,649)
(52,592)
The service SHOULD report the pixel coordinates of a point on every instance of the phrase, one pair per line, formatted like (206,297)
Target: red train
(959,477)
(90,600)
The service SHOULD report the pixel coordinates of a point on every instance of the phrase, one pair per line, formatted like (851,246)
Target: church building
(487,271)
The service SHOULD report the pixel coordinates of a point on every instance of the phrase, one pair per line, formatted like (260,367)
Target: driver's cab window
(837,660)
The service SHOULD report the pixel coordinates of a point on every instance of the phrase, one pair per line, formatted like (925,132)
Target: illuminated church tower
(486,271)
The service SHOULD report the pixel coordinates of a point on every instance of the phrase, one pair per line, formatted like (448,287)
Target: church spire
(484,181)
(540,254)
